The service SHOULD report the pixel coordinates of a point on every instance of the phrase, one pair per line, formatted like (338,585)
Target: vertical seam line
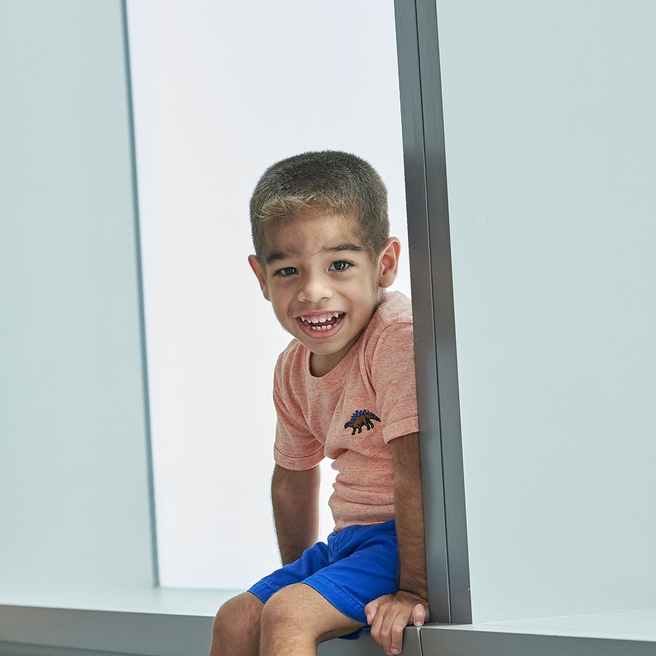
(141,301)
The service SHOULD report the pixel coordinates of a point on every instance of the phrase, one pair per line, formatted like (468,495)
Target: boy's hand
(390,614)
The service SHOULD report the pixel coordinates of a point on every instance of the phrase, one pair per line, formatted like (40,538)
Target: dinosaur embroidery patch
(361,419)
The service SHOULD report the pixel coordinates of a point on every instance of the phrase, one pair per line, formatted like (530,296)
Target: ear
(260,275)
(388,262)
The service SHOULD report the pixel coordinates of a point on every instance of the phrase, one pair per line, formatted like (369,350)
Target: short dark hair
(328,181)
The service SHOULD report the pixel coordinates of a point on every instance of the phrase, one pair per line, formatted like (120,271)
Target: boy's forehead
(310,235)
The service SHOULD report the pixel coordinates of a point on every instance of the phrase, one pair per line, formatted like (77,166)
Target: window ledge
(168,622)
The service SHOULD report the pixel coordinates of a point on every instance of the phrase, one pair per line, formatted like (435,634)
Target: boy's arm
(390,614)
(295,498)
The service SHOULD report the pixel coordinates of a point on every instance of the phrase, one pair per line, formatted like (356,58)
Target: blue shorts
(358,565)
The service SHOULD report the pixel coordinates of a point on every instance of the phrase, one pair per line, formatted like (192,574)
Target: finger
(370,610)
(418,615)
(392,626)
(373,607)
(380,627)
(396,638)
(376,624)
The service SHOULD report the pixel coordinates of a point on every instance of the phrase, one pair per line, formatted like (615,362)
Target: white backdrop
(222,90)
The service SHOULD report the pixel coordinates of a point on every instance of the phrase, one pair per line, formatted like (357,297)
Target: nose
(315,288)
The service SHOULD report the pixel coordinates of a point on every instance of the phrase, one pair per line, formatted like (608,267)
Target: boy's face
(323,285)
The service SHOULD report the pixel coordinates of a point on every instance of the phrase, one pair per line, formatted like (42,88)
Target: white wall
(222,90)
(551,154)
(73,471)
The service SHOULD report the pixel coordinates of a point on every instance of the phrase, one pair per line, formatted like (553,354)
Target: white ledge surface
(629,625)
(164,601)
(162,622)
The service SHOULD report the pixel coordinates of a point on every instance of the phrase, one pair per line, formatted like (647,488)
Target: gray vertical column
(140,285)
(432,298)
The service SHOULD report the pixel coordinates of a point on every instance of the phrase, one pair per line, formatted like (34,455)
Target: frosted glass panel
(549,121)
(221,91)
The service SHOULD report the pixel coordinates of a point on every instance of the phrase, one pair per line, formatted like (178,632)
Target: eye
(340,265)
(285,272)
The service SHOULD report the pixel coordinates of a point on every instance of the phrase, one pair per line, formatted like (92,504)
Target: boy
(344,388)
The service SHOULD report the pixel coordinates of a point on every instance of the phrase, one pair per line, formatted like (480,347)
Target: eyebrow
(276,256)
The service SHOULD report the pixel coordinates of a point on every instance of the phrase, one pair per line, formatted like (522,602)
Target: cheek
(374,289)
(280,301)
(281,316)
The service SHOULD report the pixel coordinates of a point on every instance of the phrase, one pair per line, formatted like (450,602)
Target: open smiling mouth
(321,323)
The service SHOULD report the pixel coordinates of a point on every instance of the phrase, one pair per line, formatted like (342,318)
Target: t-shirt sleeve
(295,446)
(393,375)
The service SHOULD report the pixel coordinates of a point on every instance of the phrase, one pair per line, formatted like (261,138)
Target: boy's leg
(297,618)
(358,564)
(236,628)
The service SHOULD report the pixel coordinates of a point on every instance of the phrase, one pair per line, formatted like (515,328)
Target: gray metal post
(434,321)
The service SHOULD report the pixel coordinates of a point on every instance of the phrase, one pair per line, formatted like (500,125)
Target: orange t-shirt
(351,414)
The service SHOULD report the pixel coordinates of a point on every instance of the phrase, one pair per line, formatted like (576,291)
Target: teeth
(320,322)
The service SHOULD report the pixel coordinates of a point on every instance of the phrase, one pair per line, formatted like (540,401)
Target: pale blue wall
(73,466)
(551,161)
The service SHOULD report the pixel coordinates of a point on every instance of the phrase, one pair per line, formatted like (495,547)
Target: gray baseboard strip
(453,641)
(39,631)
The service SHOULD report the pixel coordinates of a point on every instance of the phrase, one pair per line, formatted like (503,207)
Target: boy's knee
(239,616)
(300,614)
(283,609)
(292,611)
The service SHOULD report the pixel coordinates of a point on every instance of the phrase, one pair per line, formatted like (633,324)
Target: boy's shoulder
(389,334)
